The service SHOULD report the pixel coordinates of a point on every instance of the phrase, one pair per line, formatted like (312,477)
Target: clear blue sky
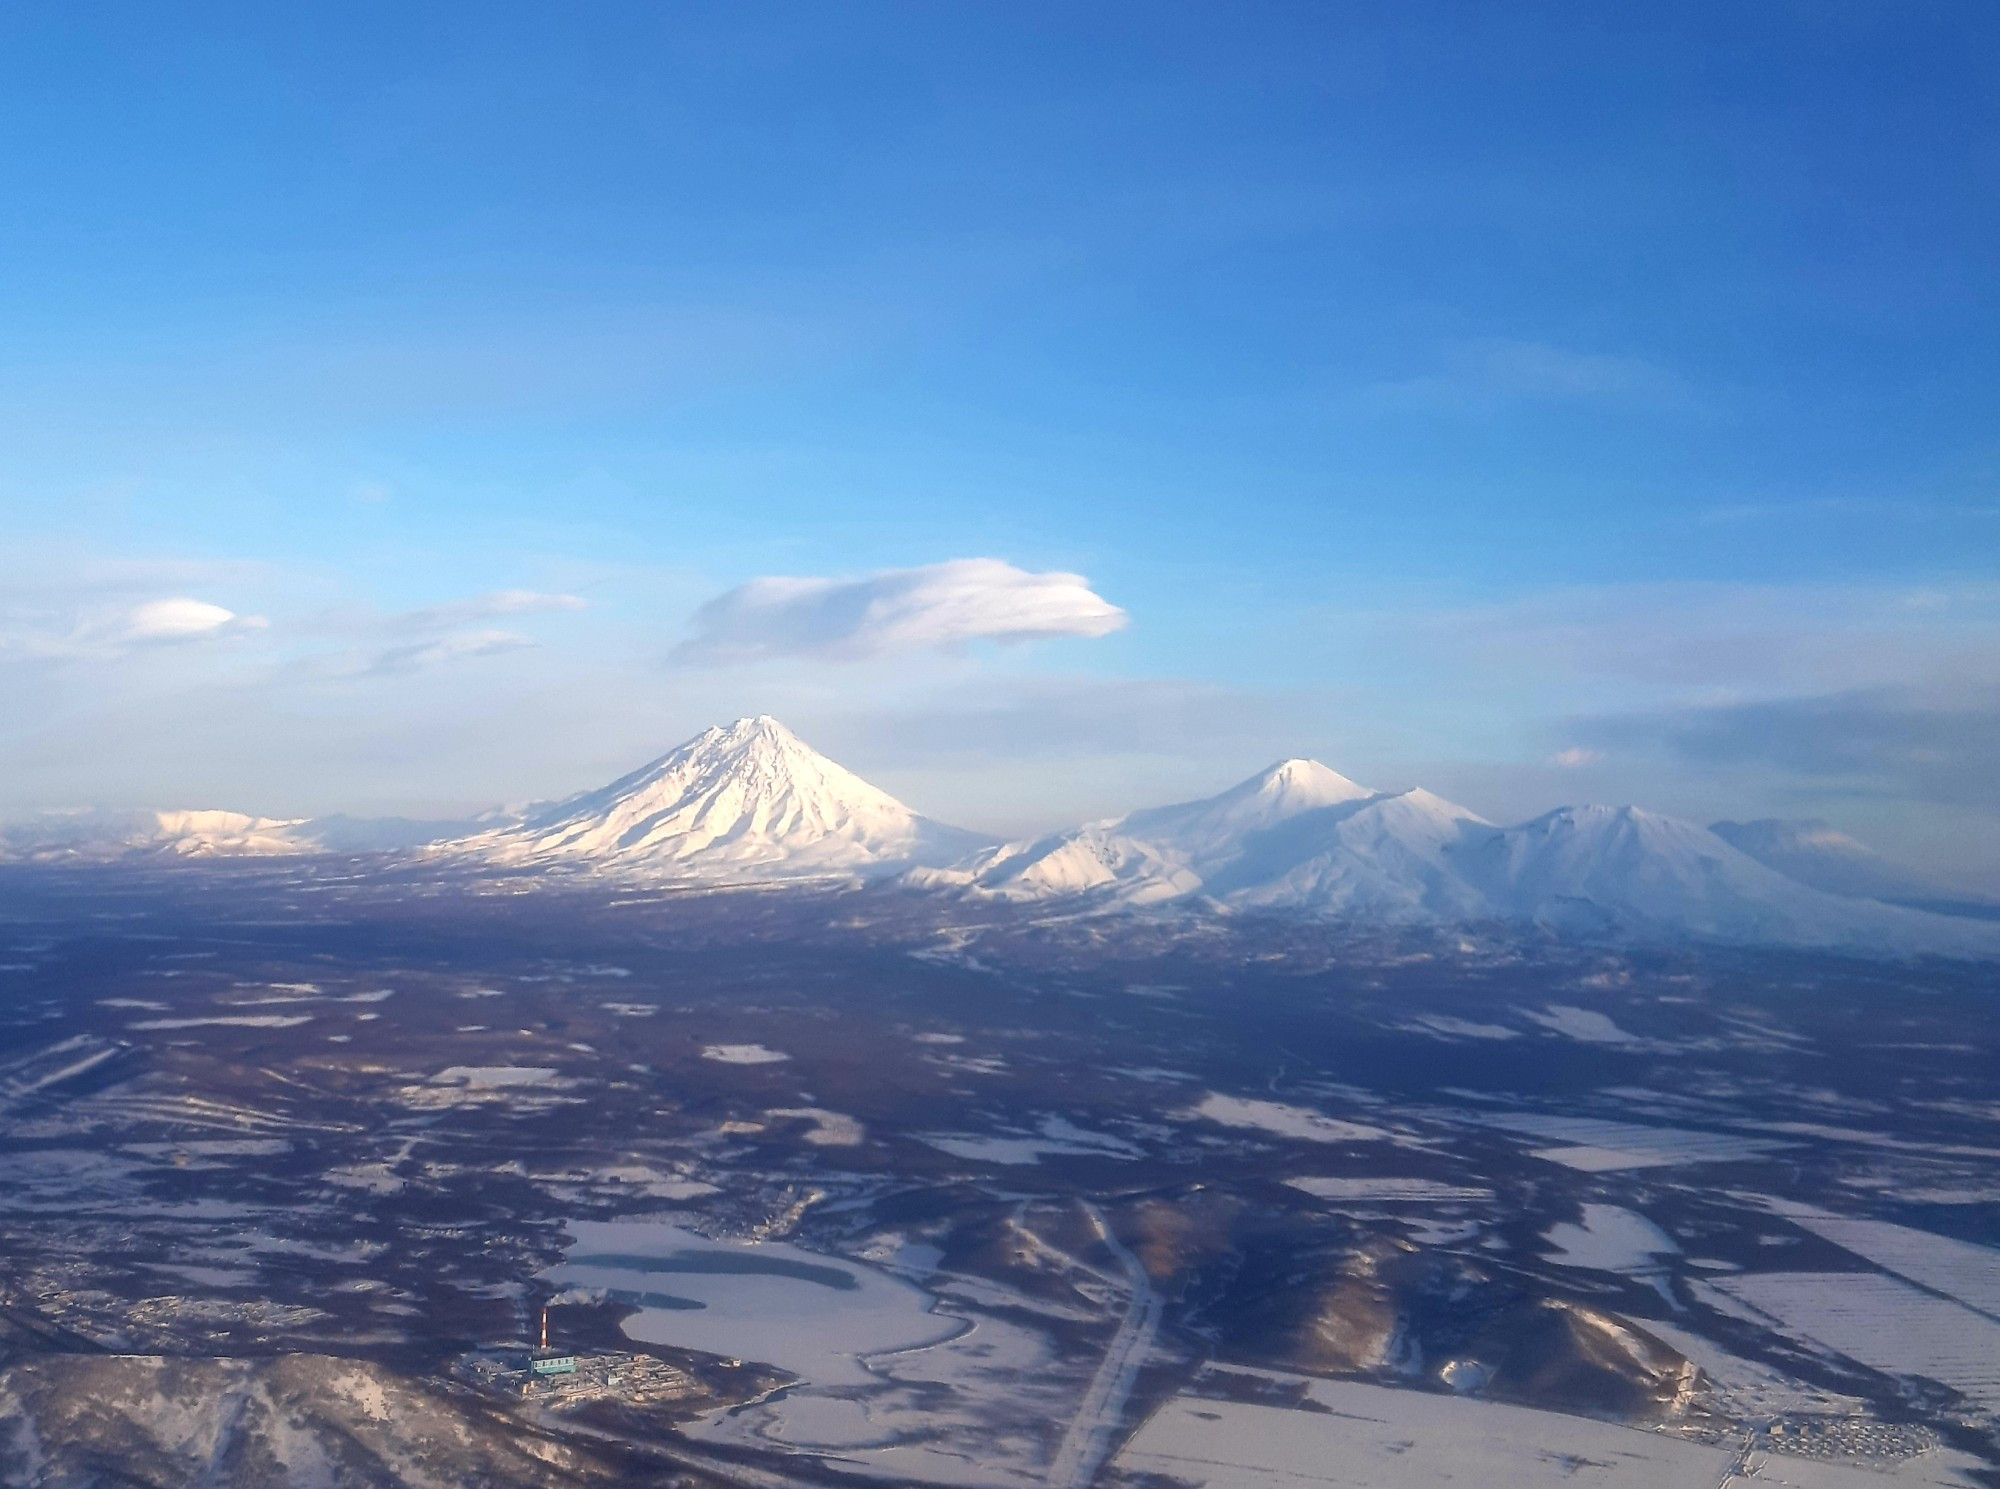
(1540,401)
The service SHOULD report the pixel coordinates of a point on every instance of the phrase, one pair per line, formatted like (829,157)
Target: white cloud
(177,619)
(896,610)
(1575,758)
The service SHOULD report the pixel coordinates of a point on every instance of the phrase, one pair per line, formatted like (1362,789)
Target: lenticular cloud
(175,620)
(936,606)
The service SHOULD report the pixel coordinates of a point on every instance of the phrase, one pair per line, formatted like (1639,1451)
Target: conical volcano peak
(747,738)
(753,730)
(746,798)
(1304,784)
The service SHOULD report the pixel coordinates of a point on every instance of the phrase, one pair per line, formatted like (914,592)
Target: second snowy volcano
(749,800)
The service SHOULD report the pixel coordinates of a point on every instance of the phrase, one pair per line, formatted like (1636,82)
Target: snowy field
(1283,1120)
(1958,1269)
(1594,1146)
(1386,1189)
(1610,1239)
(743,1054)
(1371,1437)
(1052,1135)
(1882,1323)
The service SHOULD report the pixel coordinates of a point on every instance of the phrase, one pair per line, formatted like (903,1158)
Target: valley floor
(829,1188)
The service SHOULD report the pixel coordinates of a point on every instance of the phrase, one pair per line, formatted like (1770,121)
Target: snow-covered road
(1100,1413)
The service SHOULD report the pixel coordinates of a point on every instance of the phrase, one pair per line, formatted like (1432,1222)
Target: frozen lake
(812,1315)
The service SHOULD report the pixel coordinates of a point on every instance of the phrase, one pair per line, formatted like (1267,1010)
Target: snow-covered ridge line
(750,802)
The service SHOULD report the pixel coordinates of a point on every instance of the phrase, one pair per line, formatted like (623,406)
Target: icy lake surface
(812,1315)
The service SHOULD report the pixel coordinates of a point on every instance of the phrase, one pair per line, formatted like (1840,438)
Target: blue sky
(1542,402)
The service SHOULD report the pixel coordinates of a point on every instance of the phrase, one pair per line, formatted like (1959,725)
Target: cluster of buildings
(562,1378)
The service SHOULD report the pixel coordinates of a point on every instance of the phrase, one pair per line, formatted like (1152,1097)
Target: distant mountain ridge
(750,802)
(1338,850)
(210,833)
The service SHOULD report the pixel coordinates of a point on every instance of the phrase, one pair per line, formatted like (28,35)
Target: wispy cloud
(938,606)
(453,631)
(100,632)
(1706,642)
(485,607)
(1927,745)
(1477,374)
(455,646)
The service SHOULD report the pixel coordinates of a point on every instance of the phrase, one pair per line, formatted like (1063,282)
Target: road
(1102,1410)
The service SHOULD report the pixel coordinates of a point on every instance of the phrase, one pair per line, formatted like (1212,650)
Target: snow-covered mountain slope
(746,801)
(283,1422)
(1300,838)
(211,834)
(1161,853)
(1815,853)
(1620,869)
(1390,857)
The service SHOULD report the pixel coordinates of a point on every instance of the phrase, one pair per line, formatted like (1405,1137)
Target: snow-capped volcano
(1297,834)
(745,800)
(1303,839)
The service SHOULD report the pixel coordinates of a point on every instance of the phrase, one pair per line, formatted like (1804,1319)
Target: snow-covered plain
(1281,1119)
(1387,1189)
(1373,1437)
(1881,1322)
(1596,1146)
(1959,1269)
(1052,1135)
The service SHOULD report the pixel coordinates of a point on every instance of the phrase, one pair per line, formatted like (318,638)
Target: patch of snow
(1610,1239)
(742,1054)
(1443,1026)
(239,1021)
(1585,1025)
(1383,1188)
(829,1129)
(1283,1120)
(494,1077)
